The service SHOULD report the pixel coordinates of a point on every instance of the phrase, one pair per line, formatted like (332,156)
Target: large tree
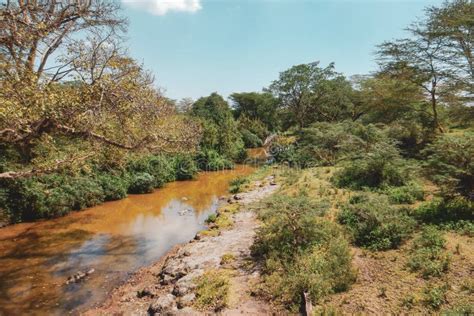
(257,106)
(312,93)
(90,97)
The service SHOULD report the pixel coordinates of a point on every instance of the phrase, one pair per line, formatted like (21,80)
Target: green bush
(450,164)
(374,223)
(160,167)
(428,254)
(141,183)
(212,290)
(114,186)
(236,184)
(407,194)
(445,211)
(250,139)
(322,270)
(211,160)
(185,167)
(380,167)
(52,196)
(291,225)
(301,251)
(434,296)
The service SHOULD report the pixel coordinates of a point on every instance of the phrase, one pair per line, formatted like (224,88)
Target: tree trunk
(436,123)
(308,306)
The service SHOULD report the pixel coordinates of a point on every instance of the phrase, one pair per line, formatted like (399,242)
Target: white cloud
(161,7)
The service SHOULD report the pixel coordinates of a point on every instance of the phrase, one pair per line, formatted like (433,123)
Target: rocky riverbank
(169,286)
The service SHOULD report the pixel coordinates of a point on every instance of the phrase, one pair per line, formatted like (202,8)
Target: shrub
(141,183)
(236,184)
(407,194)
(211,160)
(434,296)
(185,167)
(114,187)
(377,168)
(250,139)
(160,167)
(451,164)
(212,290)
(374,223)
(291,225)
(211,218)
(428,255)
(445,211)
(324,269)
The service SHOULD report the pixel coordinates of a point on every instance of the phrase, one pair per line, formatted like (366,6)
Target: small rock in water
(184,212)
(184,198)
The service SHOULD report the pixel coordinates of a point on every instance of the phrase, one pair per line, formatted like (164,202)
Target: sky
(196,47)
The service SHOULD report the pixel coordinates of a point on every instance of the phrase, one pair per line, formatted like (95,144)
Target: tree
(94,97)
(219,127)
(454,21)
(431,57)
(261,106)
(312,93)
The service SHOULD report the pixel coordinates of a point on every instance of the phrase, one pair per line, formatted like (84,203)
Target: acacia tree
(312,93)
(454,21)
(92,97)
(437,56)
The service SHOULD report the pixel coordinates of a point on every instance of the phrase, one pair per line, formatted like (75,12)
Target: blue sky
(196,47)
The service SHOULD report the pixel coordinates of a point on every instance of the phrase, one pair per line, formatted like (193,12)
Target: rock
(144,293)
(186,253)
(186,300)
(230,201)
(184,212)
(223,197)
(176,271)
(198,236)
(184,198)
(237,197)
(272,183)
(162,305)
(90,271)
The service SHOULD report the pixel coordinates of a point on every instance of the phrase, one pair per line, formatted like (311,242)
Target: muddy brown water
(115,239)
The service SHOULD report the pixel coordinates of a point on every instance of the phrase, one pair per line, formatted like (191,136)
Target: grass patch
(212,290)
(428,255)
(227,258)
(374,223)
(237,184)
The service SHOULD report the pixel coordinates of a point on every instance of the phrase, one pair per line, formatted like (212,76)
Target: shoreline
(168,283)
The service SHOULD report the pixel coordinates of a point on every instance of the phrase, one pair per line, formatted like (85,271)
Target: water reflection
(114,238)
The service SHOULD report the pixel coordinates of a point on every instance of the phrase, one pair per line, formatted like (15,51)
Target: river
(115,239)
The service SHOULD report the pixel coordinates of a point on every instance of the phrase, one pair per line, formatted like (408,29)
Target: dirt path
(167,287)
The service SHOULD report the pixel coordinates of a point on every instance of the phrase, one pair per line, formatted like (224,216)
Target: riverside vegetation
(375,210)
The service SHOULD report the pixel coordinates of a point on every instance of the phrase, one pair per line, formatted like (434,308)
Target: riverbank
(224,248)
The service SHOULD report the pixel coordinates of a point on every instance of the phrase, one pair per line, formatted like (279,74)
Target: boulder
(186,300)
(162,305)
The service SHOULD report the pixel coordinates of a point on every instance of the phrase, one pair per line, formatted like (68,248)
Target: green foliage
(434,296)
(257,106)
(211,160)
(406,194)
(114,186)
(185,167)
(451,164)
(250,139)
(211,218)
(51,196)
(374,223)
(236,184)
(381,166)
(442,211)
(212,290)
(141,183)
(301,251)
(220,130)
(428,254)
(160,167)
